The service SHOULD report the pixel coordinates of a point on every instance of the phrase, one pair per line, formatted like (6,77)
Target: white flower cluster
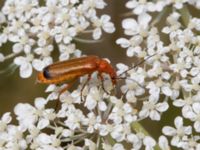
(36,28)
(93,117)
(92,123)
(171,71)
(181,136)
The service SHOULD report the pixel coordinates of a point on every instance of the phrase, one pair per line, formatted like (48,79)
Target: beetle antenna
(131,80)
(141,62)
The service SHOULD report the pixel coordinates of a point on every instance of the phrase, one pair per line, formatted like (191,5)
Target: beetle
(72,69)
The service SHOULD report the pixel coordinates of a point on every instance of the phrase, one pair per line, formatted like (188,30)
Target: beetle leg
(86,82)
(65,88)
(102,83)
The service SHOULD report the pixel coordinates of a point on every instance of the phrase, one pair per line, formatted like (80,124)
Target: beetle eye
(46,73)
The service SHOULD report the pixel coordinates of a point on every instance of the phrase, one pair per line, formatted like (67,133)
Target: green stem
(185,15)
(75,137)
(87,40)
(9,70)
(99,143)
(140,129)
(159,16)
(111,141)
(128,14)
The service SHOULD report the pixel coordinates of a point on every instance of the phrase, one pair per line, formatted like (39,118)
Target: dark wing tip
(46,73)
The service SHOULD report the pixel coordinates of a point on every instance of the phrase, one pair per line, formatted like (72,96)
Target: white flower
(2,18)
(104,129)
(23,43)
(132,90)
(131,44)
(5,120)
(163,143)
(100,4)
(120,131)
(173,21)
(191,143)
(138,30)
(136,6)
(102,23)
(121,68)
(149,143)
(132,27)
(139,7)
(92,121)
(33,132)
(45,141)
(134,84)
(195,3)
(166,90)
(135,140)
(90,144)
(177,133)
(118,146)
(156,70)
(66,51)
(74,117)
(40,64)
(122,113)
(153,109)
(138,76)
(13,138)
(93,98)
(44,51)
(155,89)
(179,4)
(4,35)
(194,23)
(64,33)
(67,133)
(73,147)
(25,65)
(28,115)
(193,114)
(186,103)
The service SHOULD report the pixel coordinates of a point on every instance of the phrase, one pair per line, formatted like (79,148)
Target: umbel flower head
(34,28)
(94,116)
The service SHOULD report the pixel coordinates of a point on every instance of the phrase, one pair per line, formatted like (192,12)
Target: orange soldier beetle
(71,70)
